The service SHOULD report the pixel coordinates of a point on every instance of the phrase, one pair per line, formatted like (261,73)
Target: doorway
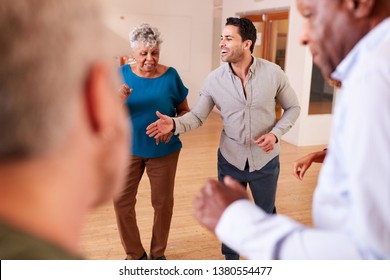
(272,31)
(271,43)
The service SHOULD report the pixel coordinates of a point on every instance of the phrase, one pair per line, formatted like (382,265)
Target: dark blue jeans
(262,184)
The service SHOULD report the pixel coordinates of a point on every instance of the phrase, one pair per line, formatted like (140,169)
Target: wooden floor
(188,240)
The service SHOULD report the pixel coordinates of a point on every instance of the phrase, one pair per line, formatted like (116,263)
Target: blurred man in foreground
(350,42)
(64,134)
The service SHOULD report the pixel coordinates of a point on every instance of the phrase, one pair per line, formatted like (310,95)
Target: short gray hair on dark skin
(144,34)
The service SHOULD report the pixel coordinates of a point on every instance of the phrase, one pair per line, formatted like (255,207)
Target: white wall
(309,129)
(186,27)
(217,30)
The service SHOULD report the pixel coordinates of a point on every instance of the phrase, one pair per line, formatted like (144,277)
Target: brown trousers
(161,172)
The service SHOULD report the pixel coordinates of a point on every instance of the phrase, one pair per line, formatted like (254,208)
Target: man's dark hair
(245,28)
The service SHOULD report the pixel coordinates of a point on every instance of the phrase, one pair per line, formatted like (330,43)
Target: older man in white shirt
(350,42)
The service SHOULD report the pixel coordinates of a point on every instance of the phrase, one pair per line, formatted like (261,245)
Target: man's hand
(214,198)
(266,142)
(160,128)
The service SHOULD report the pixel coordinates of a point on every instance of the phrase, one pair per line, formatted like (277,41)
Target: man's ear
(248,44)
(95,94)
(361,8)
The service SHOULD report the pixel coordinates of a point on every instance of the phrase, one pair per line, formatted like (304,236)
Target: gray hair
(47,48)
(145,34)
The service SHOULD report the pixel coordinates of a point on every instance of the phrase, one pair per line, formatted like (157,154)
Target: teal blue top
(149,95)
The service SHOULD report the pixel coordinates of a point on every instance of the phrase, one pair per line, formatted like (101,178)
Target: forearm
(257,235)
(186,122)
(318,156)
(287,120)
(195,117)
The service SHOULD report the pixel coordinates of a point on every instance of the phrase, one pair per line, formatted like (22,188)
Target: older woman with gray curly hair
(154,87)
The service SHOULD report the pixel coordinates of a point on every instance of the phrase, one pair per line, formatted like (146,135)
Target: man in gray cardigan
(245,90)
